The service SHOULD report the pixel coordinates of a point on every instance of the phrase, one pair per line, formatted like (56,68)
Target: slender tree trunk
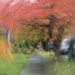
(9,39)
(4,48)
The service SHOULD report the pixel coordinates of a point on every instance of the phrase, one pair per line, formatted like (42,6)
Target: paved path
(34,66)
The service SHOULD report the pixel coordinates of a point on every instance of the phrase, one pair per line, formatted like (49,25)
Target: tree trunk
(9,39)
(46,46)
(56,49)
(4,48)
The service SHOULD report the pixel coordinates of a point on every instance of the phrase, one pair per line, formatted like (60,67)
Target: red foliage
(14,12)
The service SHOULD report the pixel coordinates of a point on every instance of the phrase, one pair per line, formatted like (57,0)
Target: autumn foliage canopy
(54,16)
(26,12)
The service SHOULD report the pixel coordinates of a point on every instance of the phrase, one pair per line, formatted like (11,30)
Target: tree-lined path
(34,66)
(26,25)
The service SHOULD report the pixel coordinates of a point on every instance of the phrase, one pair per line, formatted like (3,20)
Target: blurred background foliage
(25,40)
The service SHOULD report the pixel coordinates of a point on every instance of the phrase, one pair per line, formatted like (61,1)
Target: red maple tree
(12,13)
(55,15)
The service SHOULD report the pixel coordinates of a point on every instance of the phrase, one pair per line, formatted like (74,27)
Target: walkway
(34,66)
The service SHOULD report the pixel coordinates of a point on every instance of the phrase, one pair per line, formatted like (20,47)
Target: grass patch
(62,67)
(65,68)
(13,68)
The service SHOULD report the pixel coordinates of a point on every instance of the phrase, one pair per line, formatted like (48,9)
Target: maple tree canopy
(35,12)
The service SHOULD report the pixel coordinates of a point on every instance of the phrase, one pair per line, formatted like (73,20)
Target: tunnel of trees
(34,22)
